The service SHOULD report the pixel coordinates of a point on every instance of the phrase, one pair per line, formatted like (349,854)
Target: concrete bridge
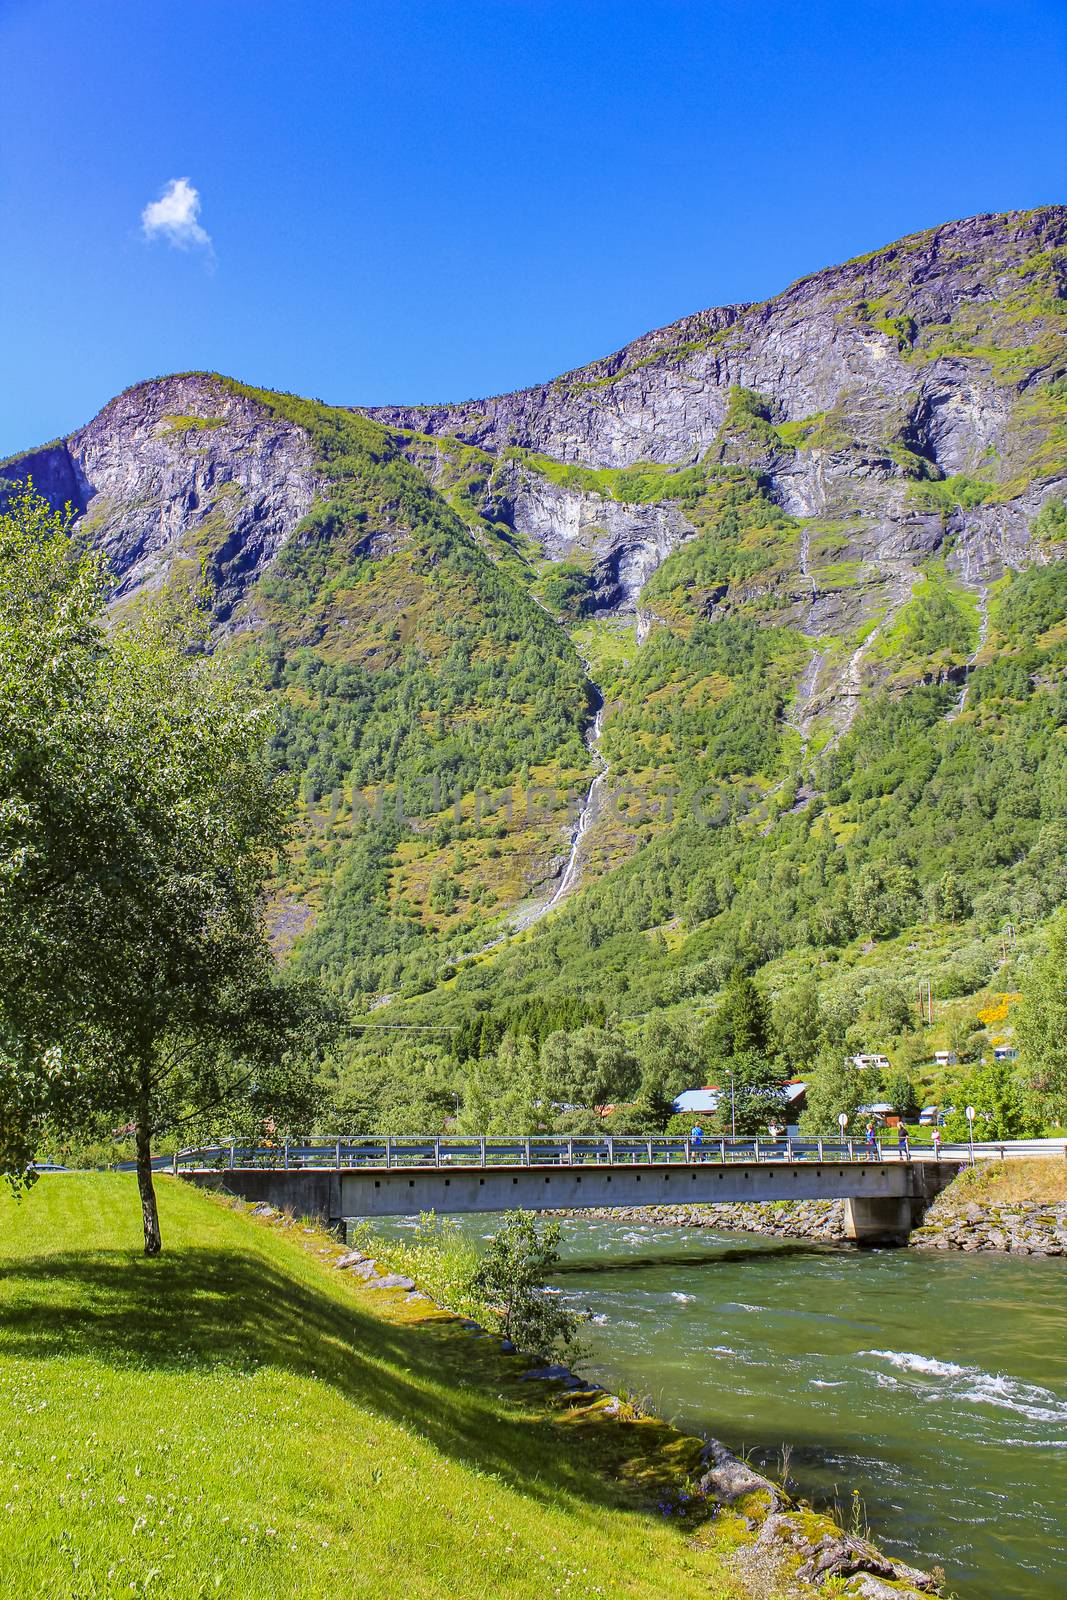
(885,1197)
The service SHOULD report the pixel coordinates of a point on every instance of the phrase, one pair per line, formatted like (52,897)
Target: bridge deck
(378,1177)
(403,1178)
(553,1150)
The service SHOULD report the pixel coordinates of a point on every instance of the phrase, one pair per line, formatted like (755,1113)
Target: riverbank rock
(352,1259)
(795,1545)
(842,1555)
(729,1479)
(822,1221)
(1029,1228)
(555,1374)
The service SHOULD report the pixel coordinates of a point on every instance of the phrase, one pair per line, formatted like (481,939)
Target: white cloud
(174,215)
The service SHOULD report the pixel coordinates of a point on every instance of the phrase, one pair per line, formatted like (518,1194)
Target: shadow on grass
(199,1308)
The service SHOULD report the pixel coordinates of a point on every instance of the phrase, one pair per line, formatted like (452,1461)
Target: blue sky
(426,201)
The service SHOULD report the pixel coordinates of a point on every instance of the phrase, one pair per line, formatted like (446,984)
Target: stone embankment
(820,1220)
(1023,1227)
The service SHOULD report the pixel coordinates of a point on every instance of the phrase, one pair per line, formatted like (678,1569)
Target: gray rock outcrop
(176,471)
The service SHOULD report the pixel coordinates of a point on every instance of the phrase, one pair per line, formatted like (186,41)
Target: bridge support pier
(889,1219)
(882,1219)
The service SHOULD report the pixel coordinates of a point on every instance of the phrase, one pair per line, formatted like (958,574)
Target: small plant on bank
(851,1519)
(510,1280)
(858,1526)
(439,1256)
(641,1405)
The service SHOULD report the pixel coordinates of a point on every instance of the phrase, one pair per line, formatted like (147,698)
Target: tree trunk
(153,1244)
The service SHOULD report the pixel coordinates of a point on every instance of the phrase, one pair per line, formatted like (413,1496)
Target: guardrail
(540,1150)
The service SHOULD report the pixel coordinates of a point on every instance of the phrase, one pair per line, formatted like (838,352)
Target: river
(934,1384)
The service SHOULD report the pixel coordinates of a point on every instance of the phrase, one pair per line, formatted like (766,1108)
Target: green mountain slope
(415,676)
(785,580)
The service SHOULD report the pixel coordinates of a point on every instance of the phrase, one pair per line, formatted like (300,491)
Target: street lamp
(733,1113)
(842,1123)
(969,1114)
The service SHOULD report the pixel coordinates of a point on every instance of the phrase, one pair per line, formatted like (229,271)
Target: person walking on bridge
(696,1141)
(903,1147)
(869,1141)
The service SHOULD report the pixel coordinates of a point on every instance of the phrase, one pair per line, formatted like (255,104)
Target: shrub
(510,1282)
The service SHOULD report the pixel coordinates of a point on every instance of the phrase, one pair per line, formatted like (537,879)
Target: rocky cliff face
(620,543)
(179,469)
(903,406)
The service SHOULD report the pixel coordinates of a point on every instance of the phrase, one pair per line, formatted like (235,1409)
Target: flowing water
(934,1384)
(588,812)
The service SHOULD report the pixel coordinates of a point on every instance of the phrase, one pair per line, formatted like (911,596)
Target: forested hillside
(803,557)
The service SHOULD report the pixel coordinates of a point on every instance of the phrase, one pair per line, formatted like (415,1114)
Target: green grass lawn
(237,1418)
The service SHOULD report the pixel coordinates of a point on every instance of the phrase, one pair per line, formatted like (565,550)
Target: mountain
(768,608)
(899,408)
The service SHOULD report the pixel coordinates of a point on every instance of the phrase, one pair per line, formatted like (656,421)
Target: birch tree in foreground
(139,818)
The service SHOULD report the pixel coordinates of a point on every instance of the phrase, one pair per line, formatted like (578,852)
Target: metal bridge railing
(386,1153)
